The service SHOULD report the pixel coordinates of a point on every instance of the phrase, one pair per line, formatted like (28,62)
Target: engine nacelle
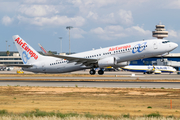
(110,61)
(122,64)
(157,72)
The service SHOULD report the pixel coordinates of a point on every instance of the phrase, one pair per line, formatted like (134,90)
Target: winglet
(44,51)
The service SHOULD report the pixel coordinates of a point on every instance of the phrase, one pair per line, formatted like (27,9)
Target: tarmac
(109,82)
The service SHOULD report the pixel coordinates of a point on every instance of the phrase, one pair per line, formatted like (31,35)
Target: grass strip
(42,114)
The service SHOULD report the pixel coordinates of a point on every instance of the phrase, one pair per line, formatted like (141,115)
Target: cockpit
(165,42)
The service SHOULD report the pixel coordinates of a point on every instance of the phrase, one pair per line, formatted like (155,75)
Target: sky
(96,23)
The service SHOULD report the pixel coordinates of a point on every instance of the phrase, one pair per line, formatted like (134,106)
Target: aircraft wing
(78,60)
(16,65)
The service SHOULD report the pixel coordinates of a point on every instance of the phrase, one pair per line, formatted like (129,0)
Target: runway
(115,80)
(100,84)
(117,75)
(114,77)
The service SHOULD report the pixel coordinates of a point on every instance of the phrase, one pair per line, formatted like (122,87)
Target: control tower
(160,32)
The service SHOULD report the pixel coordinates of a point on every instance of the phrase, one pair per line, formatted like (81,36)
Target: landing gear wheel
(92,72)
(100,72)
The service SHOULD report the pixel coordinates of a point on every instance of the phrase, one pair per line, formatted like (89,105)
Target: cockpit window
(165,42)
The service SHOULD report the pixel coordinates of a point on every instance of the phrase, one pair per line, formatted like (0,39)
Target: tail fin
(27,53)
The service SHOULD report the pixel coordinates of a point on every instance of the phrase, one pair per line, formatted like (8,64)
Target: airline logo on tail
(25,57)
(27,49)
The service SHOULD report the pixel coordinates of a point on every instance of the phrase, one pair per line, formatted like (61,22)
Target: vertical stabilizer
(27,53)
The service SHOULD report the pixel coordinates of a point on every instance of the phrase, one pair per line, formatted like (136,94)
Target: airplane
(115,56)
(149,69)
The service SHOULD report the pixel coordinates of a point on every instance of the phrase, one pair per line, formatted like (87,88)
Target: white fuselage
(124,52)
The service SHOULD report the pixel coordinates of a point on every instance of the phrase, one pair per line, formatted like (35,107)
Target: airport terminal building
(173,59)
(12,58)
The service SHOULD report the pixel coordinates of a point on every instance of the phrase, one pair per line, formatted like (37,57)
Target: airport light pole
(61,43)
(9,47)
(69,27)
(6,45)
(13,46)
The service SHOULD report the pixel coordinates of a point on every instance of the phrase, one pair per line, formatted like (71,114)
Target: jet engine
(122,64)
(110,61)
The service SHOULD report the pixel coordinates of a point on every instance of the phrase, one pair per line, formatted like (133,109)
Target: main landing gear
(92,72)
(100,72)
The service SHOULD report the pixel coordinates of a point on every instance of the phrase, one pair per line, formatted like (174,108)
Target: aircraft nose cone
(172,46)
(175,45)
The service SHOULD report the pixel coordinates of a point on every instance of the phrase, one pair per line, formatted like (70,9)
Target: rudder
(27,53)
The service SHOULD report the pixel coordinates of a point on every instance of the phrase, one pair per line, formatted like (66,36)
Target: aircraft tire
(100,72)
(92,72)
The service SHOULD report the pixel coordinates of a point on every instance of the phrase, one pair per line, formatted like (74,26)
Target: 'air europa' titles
(119,48)
(26,48)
